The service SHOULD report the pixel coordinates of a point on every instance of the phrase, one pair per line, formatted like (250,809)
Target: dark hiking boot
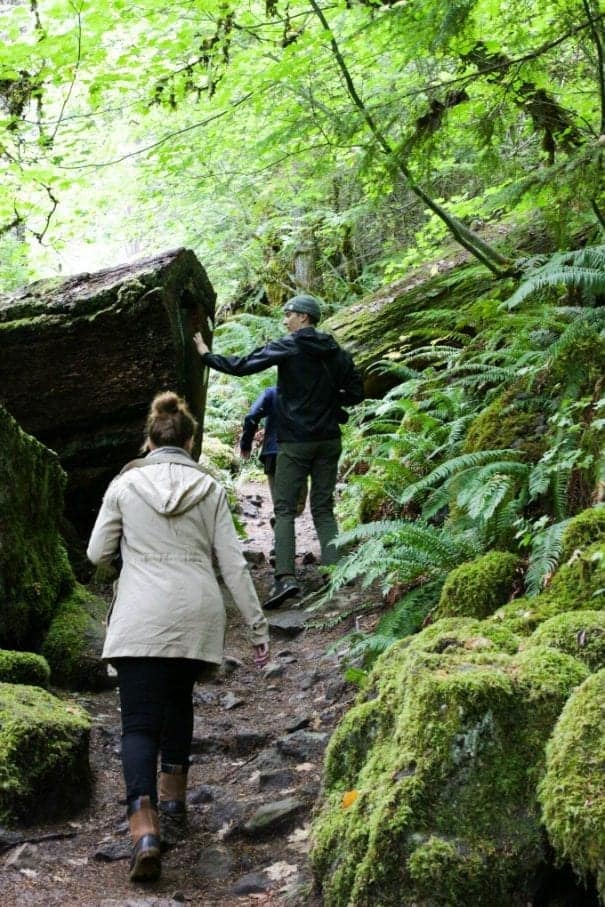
(284,587)
(145,864)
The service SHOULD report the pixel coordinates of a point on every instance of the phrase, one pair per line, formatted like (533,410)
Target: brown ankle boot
(145,865)
(173,789)
(172,805)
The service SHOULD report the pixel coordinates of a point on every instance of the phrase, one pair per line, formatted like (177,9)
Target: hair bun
(166,403)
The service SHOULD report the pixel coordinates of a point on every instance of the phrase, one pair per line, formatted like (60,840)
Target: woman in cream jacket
(166,518)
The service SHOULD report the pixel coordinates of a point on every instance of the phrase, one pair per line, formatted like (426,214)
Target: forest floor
(259,740)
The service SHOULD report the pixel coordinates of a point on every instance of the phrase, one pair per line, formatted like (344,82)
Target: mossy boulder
(218,453)
(513,420)
(43,747)
(74,643)
(577,585)
(430,785)
(23,667)
(583,531)
(573,789)
(34,570)
(578,633)
(478,587)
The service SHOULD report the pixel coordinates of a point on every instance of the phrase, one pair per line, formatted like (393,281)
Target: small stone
(335,689)
(309,558)
(309,679)
(25,856)
(304,746)
(253,883)
(287,624)
(298,724)
(231,701)
(279,779)
(273,669)
(256,558)
(272,816)
(115,850)
(214,864)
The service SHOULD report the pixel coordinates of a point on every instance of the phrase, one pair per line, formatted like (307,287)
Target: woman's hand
(261,654)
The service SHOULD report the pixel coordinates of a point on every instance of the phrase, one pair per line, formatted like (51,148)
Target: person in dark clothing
(315,379)
(264,408)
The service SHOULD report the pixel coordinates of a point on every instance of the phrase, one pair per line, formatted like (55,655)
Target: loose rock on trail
(259,740)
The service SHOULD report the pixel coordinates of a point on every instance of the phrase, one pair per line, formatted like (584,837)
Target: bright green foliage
(23,667)
(582,531)
(74,643)
(43,742)
(572,792)
(477,588)
(34,571)
(577,633)
(442,752)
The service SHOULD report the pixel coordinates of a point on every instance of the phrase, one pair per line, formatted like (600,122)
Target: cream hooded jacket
(166,520)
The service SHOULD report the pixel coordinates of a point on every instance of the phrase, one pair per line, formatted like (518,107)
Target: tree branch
(78,13)
(598,40)
(489,257)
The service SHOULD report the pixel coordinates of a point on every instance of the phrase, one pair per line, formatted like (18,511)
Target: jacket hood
(315,343)
(170,488)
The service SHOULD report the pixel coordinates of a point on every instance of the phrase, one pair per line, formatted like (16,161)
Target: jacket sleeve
(257,361)
(105,539)
(236,574)
(351,384)
(252,420)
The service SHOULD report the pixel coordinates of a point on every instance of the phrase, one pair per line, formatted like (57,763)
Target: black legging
(157,718)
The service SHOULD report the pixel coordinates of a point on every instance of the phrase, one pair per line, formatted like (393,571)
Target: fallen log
(81,358)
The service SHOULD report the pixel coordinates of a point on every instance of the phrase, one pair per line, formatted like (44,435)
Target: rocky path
(258,746)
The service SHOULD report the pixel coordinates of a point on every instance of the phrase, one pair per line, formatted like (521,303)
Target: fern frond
(544,557)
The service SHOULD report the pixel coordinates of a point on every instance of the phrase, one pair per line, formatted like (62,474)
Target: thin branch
(162,141)
(40,234)
(12,225)
(78,13)
(600,216)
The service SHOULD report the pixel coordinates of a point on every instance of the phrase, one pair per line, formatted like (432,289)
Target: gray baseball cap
(306,305)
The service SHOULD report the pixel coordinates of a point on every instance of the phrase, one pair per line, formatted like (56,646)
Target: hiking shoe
(284,587)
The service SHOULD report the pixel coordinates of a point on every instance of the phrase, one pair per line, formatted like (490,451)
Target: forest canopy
(368,131)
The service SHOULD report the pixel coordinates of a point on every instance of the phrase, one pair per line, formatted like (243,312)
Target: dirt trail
(258,744)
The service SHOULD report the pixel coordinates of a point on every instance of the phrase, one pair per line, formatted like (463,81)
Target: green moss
(23,667)
(578,633)
(510,421)
(218,453)
(74,642)
(444,750)
(577,585)
(34,570)
(43,744)
(477,588)
(583,531)
(573,790)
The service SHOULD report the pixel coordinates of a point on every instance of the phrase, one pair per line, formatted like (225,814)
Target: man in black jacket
(315,379)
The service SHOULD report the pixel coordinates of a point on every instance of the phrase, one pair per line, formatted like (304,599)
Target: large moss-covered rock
(34,570)
(578,633)
(74,643)
(430,783)
(43,747)
(477,588)
(573,789)
(513,420)
(23,667)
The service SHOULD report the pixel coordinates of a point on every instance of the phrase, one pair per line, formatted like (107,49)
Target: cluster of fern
(492,438)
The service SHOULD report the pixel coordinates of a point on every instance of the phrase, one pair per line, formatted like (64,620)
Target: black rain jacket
(315,379)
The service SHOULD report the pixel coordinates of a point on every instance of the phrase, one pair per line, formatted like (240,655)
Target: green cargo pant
(297,460)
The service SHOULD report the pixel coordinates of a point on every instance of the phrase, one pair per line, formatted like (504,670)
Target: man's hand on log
(199,344)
